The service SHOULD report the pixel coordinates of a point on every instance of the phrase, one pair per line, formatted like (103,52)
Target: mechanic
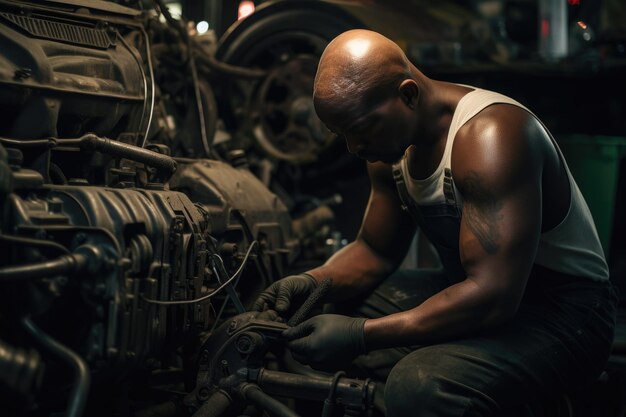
(523,309)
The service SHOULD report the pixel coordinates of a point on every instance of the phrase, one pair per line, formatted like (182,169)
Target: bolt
(203,393)
(244,344)
(232,327)
(225,368)
(248,342)
(80,238)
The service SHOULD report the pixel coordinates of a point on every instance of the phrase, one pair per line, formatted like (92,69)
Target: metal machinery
(125,224)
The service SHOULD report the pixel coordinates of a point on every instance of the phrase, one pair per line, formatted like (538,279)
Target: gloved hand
(286,294)
(328,341)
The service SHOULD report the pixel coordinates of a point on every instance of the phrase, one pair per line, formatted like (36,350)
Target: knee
(411,389)
(429,382)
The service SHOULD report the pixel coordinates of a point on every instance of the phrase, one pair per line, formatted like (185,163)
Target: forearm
(354,269)
(454,312)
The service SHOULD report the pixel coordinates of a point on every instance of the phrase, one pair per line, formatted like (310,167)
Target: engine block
(108,260)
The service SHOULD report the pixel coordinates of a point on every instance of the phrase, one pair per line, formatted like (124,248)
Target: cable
(194,76)
(329,402)
(199,105)
(213,293)
(143,76)
(218,316)
(220,272)
(152,84)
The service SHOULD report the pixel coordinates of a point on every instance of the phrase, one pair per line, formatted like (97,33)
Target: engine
(121,237)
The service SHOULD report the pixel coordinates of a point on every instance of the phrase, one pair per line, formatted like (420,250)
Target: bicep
(502,208)
(386,228)
(499,237)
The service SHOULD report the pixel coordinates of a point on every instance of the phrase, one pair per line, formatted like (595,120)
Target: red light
(573,2)
(246,8)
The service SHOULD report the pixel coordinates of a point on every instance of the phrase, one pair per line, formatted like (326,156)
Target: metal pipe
(80,389)
(159,161)
(19,369)
(314,388)
(353,392)
(29,143)
(65,264)
(252,393)
(215,406)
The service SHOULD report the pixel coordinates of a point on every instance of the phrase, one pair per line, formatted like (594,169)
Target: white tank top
(572,247)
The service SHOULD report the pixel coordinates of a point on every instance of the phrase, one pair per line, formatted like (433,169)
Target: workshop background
(161,163)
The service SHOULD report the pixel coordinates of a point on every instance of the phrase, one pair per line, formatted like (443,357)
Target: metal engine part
(232,363)
(70,67)
(111,268)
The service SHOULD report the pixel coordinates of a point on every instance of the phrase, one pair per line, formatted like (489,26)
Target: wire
(199,105)
(213,293)
(143,76)
(218,316)
(152,84)
(329,402)
(207,147)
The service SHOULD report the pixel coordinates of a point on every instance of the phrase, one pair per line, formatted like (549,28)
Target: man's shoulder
(500,141)
(498,121)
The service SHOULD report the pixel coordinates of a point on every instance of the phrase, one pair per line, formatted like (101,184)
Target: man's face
(381,134)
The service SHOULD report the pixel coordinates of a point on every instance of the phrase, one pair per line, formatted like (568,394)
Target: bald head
(358,70)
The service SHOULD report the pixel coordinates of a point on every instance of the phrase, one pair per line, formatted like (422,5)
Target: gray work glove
(286,294)
(327,342)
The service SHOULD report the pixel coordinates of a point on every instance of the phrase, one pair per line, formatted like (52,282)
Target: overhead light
(202,27)
(175,9)
(246,8)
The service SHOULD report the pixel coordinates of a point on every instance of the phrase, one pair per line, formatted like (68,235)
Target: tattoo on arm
(482,212)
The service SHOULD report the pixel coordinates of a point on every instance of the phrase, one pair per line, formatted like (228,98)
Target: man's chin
(391,160)
(386,159)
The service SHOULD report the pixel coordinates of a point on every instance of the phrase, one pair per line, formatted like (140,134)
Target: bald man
(522,311)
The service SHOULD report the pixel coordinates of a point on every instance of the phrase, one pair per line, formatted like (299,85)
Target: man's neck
(437,110)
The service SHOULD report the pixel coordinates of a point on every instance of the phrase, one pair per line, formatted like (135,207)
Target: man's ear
(409,92)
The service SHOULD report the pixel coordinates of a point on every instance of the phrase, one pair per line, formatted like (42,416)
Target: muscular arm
(497,164)
(380,246)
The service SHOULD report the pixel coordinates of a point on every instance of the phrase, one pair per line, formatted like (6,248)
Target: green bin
(594,162)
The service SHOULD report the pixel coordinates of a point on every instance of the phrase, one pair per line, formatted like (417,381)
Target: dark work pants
(558,342)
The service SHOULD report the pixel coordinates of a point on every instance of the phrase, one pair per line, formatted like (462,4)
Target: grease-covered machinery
(113,253)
